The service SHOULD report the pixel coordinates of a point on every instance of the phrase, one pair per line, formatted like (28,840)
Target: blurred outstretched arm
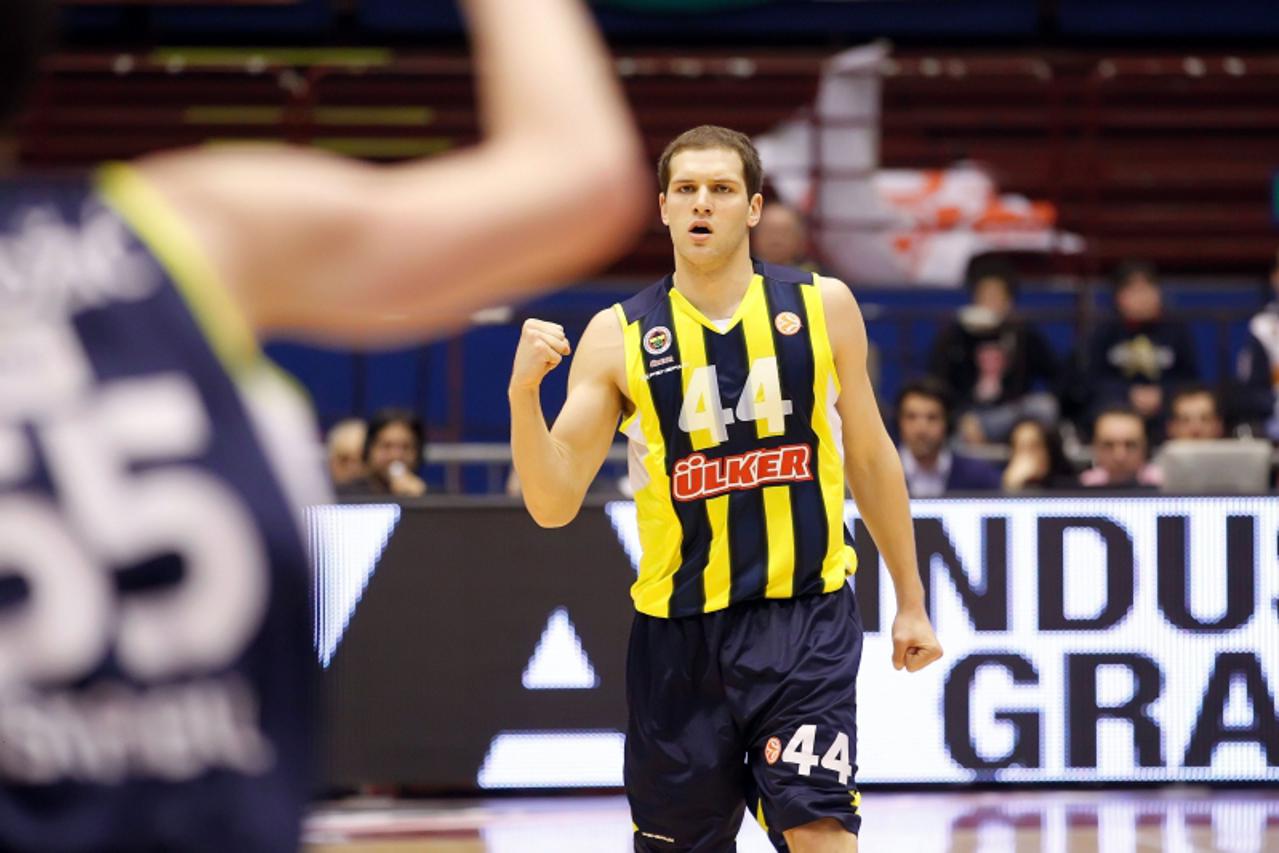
(332,249)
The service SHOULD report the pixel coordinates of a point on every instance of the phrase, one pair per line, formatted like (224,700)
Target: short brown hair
(714,136)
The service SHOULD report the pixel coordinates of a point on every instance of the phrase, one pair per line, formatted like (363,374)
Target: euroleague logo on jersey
(657,341)
(788,323)
(696,477)
(773,750)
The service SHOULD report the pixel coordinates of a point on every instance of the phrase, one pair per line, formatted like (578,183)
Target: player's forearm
(879,487)
(546,480)
(545,75)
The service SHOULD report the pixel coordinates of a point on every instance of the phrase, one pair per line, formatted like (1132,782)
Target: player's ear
(661,204)
(756,211)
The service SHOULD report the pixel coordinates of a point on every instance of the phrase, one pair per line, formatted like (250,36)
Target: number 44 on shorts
(802,752)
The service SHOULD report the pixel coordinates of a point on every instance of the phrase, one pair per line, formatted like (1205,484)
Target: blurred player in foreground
(155,637)
(745,397)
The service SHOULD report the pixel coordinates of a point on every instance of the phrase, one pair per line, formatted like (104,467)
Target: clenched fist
(542,347)
(915,645)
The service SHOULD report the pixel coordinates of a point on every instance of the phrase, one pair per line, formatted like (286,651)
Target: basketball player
(155,636)
(744,393)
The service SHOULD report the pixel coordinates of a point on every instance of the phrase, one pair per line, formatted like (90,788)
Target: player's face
(1119,447)
(706,205)
(1195,417)
(922,422)
(395,443)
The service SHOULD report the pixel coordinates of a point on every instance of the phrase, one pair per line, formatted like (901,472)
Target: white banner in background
(1098,639)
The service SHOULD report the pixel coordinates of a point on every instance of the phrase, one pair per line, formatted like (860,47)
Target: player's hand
(915,645)
(542,347)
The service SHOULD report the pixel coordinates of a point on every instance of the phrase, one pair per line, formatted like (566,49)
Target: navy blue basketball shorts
(748,708)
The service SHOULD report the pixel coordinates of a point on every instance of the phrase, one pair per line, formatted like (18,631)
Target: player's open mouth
(700,231)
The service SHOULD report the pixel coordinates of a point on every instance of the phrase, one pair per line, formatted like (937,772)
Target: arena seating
(1166,157)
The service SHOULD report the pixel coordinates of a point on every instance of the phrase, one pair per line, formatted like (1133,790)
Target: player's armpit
(864,433)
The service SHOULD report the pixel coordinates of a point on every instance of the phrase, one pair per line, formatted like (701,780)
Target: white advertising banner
(1087,639)
(1090,639)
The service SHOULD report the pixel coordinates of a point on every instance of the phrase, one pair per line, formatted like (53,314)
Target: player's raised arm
(875,475)
(347,251)
(556,466)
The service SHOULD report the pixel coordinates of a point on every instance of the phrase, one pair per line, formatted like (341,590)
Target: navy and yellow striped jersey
(155,662)
(736,452)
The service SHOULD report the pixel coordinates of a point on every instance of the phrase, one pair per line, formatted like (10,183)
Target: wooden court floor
(1174,820)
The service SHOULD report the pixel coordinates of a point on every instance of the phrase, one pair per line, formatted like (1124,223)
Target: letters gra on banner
(1125,638)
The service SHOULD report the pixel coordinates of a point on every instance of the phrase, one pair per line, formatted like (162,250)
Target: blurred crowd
(1127,409)
(997,408)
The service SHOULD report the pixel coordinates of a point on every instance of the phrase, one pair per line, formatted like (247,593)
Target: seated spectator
(931,468)
(1120,452)
(1037,460)
(991,360)
(393,450)
(1258,368)
(781,238)
(1138,358)
(1194,415)
(345,446)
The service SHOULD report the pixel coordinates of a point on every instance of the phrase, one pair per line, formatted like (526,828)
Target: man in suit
(923,426)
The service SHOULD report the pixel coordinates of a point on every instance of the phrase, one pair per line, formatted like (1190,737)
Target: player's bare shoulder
(844,323)
(837,298)
(601,353)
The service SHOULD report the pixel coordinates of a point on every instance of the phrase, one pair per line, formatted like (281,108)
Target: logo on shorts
(773,750)
(788,323)
(657,341)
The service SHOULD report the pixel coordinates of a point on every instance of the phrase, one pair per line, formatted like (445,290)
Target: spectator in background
(1136,359)
(923,426)
(781,238)
(1120,452)
(345,451)
(1194,414)
(991,359)
(1037,460)
(1258,368)
(392,453)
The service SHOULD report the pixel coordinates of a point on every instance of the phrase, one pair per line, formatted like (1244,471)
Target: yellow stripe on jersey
(757,326)
(692,355)
(660,531)
(781,542)
(176,248)
(717,578)
(840,560)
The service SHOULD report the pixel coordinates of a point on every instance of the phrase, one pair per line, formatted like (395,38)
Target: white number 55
(123,501)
